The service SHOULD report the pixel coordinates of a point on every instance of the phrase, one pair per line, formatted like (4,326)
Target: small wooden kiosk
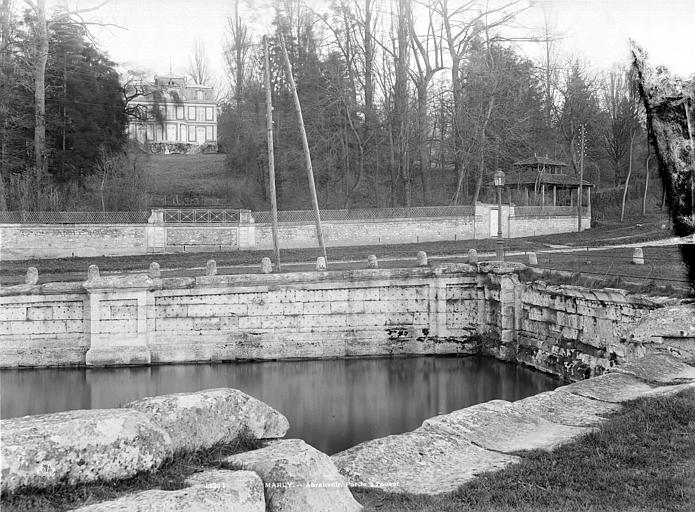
(535,179)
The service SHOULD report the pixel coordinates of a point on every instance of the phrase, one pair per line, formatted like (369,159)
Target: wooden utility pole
(581,179)
(271,158)
(305,144)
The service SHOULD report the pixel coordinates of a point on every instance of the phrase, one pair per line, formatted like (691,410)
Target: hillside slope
(187,179)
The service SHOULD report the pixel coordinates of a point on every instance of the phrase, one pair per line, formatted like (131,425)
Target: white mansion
(172,116)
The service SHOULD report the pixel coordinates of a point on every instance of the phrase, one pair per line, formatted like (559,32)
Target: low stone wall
(521,226)
(369,232)
(27,241)
(36,241)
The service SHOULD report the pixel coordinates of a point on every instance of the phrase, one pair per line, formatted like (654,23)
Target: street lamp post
(499,183)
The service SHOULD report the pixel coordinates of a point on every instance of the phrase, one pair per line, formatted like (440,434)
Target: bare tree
(237,49)
(463,24)
(199,64)
(399,128)
(427,53)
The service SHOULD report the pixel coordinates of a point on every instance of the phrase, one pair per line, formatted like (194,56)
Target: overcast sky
(157,32)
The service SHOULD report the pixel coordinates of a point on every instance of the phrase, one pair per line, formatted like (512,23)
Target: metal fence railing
(201,216)
(548,211)
(22,217)
(368,213)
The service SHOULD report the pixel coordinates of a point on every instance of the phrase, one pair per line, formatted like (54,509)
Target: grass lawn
(12,272)
(663,271)
(171,175)
(642,459)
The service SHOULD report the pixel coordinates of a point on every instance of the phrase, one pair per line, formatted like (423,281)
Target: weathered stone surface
(532,258)
(266,265)
(79,446)
(660,369)
(93,273)
(32,276)
(638,256)
(670,329)
(500,267)
(154,271)
(422,259)
(472,256)
(611,387)
(423,461)
(210,491)
(297,477)
(320,264)
(566,408)
(497,425)
(205,418)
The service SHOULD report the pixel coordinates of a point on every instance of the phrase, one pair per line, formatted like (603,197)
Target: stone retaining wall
(577,332)
(138,320)
(451,309)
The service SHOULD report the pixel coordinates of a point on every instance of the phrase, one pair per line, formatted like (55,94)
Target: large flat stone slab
(610,387)
(502,427)
(423,461)
(659,369)
(210,491)
(79,446)
(297,477)
(567,408)
(205,418)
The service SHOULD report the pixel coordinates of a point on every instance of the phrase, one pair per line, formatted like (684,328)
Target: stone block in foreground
(297,477)
(610,387)
(498,425)
(210,491)
(204,418)
(659,369)
(79,446)
(423,461)
(566,408)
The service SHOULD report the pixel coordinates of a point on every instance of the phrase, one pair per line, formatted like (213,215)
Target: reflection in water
(331,404)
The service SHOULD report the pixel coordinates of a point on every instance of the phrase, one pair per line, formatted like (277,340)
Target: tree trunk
(425,168)
(646,186)
(401,97)
(479,183)
(40,159)
(627,180)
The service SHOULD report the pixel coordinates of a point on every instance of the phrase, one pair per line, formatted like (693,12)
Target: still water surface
(331,404)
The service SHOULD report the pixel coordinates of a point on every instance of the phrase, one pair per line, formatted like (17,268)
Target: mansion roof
(171,89)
